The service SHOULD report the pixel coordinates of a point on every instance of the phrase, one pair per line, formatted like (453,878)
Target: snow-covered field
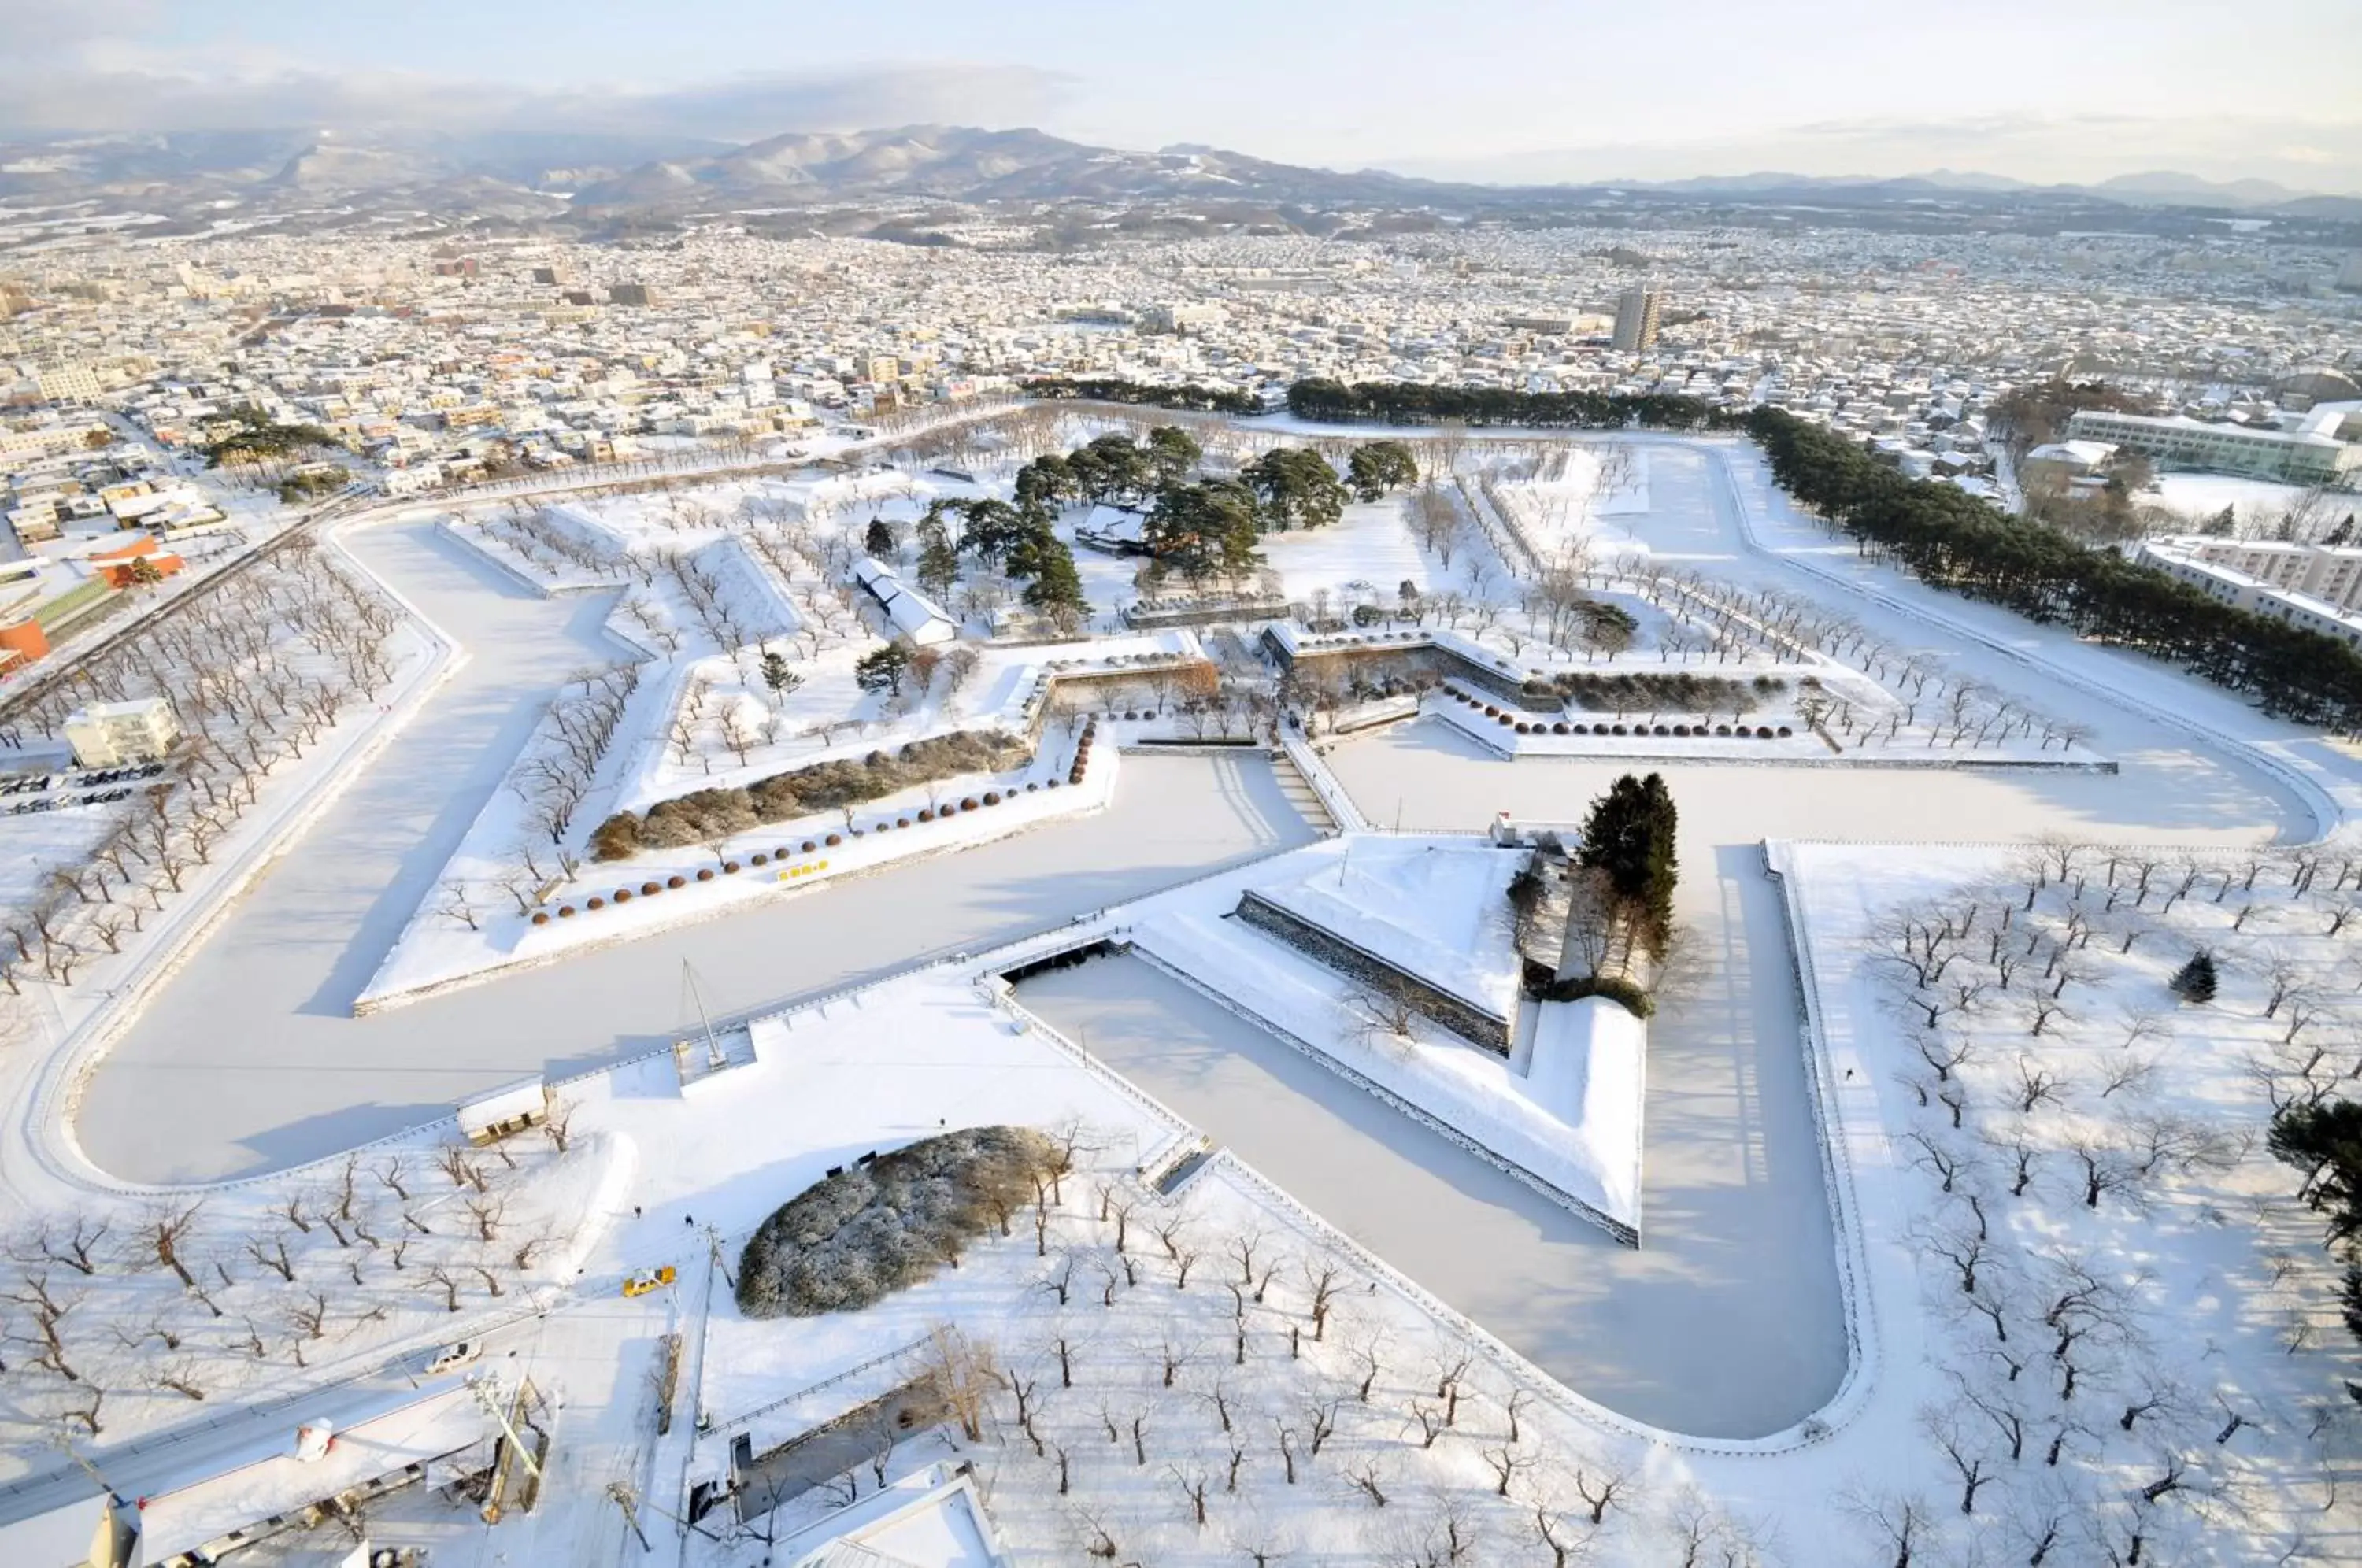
(2100,1296)
(2253,502)
(1371,549)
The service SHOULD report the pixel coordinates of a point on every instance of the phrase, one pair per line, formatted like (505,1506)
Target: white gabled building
(910,614)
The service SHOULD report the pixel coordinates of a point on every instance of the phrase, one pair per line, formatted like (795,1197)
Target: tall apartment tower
(66,381)
(1635,319)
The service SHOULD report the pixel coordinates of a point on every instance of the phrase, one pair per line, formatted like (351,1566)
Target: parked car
(453,1356)
(649,1279)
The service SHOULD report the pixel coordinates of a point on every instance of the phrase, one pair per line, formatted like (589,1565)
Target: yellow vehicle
(647,1279)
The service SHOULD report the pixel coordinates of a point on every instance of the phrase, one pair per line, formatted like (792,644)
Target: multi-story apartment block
(2310,454)
(108,734)
(2317,587)
(1636,320)
(67,382)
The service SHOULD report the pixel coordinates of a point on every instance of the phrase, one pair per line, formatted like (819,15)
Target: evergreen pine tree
(1629,835)
(1056,585)
(778,676)
(938,567)
(879,540)
(881,669)
(2195,981)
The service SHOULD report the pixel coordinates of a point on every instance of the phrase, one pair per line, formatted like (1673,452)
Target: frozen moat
(1728,1326)
(248,1058)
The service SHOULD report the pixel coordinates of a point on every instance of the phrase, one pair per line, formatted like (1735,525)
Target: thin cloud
(39,27)
(83,101)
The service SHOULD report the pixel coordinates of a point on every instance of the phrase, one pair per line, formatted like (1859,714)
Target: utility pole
(713,1237)
(713,1058)
(624,1497)
(487,1391)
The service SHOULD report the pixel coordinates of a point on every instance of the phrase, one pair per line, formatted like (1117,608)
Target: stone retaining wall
(1334,952)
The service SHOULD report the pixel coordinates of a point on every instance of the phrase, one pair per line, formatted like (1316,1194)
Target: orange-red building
(24,639)
(114,565)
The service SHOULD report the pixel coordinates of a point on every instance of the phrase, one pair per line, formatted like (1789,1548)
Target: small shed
(504,1112)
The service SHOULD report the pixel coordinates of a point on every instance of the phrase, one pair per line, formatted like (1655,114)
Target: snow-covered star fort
(1052,985)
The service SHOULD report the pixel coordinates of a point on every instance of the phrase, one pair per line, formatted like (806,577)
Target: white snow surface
(1433,908)
(1370,547)
(1422,901)
(2216,1255)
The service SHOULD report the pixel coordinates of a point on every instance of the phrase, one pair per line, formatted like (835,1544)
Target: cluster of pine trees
(1114,389)
(1416,402)
(1956,541)
(1198,526)
(1210,528)
(1629,837)
(2323,1139)
(1018,540)
(259,438)
(1621,914)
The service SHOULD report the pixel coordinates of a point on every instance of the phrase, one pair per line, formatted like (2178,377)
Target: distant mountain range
(961,164)
(2154,188)
(199,180)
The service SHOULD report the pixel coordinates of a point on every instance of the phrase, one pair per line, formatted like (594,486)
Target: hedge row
(824,786)
(1563,727)
(650,888)
(1679,691)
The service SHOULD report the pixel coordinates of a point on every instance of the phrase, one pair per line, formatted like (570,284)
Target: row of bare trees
(256,670)
(550,543)
(114,1317)
(1188,1385)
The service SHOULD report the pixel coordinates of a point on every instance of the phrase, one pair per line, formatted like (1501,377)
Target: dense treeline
(1111,389)
(1954,540)
(259,438)
(2323,1139)
(1416,402)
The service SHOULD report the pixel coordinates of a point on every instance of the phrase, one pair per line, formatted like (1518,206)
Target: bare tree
(166,1231)
(1896,1521)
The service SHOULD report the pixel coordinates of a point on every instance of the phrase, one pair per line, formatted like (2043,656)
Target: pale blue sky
(1486,88)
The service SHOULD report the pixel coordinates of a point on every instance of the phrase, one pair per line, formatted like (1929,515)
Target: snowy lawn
(1370,551)
(143,1311)
(2122,1326)
(2254,502)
